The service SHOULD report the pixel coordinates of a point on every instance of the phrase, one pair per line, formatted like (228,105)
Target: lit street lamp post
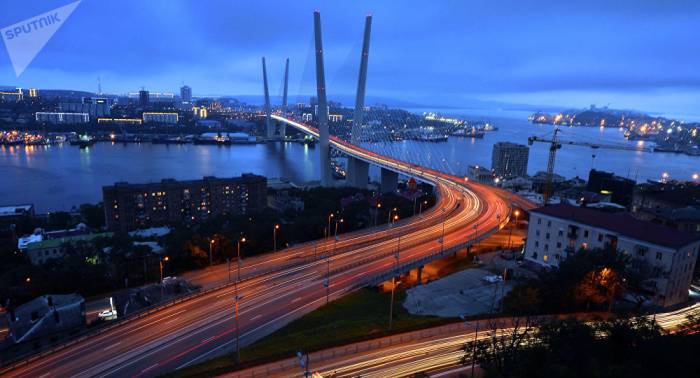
(376,214)
(274,236)
(388,221)
(420,208)
(442,237)
(211,244)
(510,233)
(161,261)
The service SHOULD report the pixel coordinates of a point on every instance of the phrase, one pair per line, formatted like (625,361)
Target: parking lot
(466,292)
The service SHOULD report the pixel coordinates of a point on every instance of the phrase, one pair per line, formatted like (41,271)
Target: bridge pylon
(322,112)
(358,170)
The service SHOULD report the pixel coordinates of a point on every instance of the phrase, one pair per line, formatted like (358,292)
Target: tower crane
(555,143)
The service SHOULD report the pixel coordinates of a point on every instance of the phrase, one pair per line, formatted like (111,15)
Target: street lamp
(388,221)
(510,233)
(164,259)
(476,249)
(161,261)
(394,283)
(420,208)
(211,244)
(274,236)
(442,237)
(329,224)
(695,176)
(376,213)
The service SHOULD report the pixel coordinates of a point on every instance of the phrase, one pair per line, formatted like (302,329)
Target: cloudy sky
(641,54)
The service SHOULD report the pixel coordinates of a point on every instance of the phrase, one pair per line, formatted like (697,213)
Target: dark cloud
(419,48)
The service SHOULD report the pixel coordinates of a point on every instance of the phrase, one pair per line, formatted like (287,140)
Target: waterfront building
(62,117)
(123,121)
(159,117)
(620,189)
(131,206)
(186,94)
(556,232)
(509,159)
(95,107)
(200,112)
(144,97)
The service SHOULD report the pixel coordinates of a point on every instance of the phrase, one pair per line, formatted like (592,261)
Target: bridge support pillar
(419,275)
(390,181)
(358,173)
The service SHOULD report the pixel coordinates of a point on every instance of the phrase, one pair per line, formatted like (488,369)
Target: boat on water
(83,141)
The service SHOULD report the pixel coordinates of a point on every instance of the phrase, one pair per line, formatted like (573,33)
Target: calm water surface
(62,176)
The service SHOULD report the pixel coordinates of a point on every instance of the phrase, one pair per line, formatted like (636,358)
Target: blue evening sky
(641,54)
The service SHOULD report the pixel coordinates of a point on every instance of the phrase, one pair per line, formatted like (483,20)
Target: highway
(438,353)
(276,289)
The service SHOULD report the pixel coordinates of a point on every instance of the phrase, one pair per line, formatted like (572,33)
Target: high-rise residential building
(143,97)
(186,94)
(509,159)
(131,206)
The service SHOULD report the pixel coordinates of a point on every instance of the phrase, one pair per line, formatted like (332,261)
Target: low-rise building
(61,118)
(160,118)
(132,206)
(41,252)
(558,231)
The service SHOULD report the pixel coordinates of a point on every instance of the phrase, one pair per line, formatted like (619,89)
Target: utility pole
(211,244)
(236,300)
(394,283)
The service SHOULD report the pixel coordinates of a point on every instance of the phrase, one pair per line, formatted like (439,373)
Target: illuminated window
(584,245)
(545,258)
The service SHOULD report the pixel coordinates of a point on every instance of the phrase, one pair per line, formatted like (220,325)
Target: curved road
(276,289)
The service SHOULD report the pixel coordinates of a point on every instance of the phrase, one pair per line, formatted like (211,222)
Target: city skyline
(447,54)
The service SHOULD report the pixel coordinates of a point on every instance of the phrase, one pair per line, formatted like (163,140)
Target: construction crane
(555,143)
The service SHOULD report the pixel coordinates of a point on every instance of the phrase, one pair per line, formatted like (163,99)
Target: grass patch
(357,316)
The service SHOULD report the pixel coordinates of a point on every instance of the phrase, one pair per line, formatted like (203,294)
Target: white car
(107,315)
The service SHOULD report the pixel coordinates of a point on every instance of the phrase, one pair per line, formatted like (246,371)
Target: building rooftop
(15,210)
(621,223)
(55,243)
